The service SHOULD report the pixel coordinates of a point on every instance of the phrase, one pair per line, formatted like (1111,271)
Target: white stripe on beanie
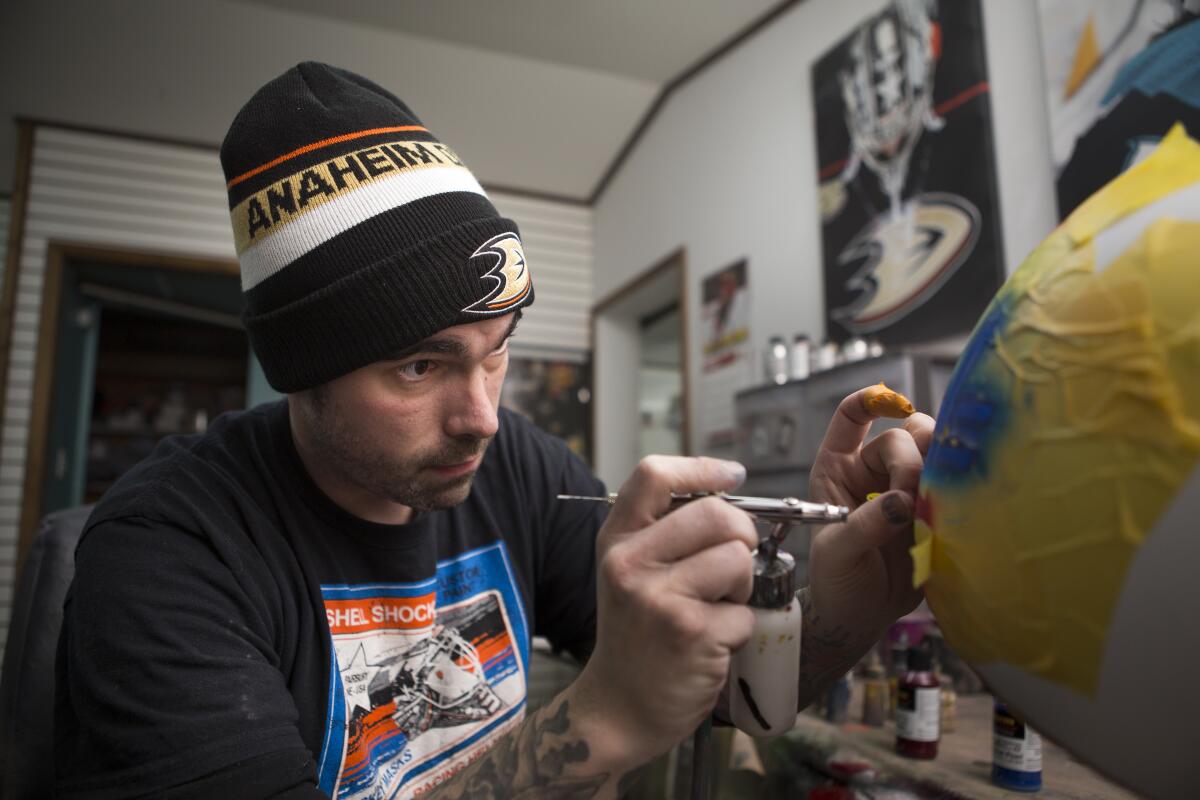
(286,243)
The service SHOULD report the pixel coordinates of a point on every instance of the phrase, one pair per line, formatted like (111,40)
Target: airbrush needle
(786,509)
(610,499)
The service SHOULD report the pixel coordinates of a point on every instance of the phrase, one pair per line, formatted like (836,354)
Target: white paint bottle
(764,673)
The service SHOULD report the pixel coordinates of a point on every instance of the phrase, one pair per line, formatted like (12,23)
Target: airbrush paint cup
(764,674)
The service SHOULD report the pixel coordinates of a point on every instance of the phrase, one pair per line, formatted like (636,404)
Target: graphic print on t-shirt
(424,675)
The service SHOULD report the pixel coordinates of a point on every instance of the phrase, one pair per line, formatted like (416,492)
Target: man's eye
(416,370)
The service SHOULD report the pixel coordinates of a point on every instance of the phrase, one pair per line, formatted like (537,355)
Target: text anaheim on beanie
(358,233)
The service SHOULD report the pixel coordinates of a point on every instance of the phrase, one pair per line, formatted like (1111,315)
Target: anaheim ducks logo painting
(902,260)
(509,272)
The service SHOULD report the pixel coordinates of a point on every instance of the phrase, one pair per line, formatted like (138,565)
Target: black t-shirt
(231,630)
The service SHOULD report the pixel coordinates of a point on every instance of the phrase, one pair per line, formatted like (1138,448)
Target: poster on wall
(727,364)
(556,395)
(910,224)
(1119,74)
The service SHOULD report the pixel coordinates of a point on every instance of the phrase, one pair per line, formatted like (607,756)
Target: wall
(728,169)
(122,194)
(182,69)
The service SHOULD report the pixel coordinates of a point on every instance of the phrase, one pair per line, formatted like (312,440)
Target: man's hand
(671,594)
(860,572)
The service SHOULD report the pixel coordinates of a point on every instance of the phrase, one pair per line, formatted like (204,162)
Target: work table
(961,770)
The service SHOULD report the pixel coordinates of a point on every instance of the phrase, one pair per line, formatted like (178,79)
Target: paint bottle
(764,674)
(918,708)
(896,668)
(875,693)
(801,357)
(949,701)
(827,356)
(837,702)
(1016,753)
(777,360)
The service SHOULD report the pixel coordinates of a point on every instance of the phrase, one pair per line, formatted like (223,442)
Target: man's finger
(730,624)
(724,572)
(697,526)
(920,427)
(646,494)
(893,455)
(848,428)
(871,525)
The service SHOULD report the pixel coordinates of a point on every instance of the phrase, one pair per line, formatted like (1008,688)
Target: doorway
(641,373)
(660,382)
(131,348)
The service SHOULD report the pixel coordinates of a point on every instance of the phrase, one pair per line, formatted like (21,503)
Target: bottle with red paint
(918,707)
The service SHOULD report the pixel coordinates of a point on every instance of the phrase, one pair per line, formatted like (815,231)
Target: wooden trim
(676,259)
(631,141)
(678,81)
(12,260)
(532,194)
(146,258)
(118,133)
(39,420)
(685,296)
(638,282)
(591,414)
(57,257)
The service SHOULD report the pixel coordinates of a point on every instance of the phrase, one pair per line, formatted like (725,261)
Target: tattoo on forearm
(629,780)
(826,652)
(529,763)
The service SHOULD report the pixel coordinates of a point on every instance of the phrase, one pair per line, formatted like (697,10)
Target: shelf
(189,368)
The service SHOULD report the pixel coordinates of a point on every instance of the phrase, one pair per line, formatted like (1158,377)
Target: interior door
(71,404)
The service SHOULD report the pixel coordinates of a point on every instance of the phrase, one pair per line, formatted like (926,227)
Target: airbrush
(782,512)
(763,686)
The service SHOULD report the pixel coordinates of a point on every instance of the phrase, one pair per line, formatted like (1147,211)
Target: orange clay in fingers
(880,401)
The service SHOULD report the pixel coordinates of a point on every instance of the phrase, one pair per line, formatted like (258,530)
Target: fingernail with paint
(896,510)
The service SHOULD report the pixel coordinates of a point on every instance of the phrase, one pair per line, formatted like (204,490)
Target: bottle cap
(774,580)
(919,660)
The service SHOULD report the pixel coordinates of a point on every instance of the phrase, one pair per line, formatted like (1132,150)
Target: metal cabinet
(780,427)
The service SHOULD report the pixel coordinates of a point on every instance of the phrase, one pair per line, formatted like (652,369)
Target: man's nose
(472,408)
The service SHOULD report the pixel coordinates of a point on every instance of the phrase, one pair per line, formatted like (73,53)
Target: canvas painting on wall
(727,364)
(910,223)
(1119,74)
(556,395)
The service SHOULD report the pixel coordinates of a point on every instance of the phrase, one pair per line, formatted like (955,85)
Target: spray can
(764,674)
(1016,753)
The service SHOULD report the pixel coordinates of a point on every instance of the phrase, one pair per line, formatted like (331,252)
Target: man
(335,594)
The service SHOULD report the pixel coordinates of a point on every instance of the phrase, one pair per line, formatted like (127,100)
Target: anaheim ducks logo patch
(509,272)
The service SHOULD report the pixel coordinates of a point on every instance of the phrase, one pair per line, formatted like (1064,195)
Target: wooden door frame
(57,257)
(676,258)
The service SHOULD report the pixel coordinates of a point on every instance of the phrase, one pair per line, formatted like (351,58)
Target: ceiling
(654,41)
(536,95)
(587,71)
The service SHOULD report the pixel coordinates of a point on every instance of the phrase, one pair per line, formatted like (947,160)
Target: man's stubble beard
(355,458)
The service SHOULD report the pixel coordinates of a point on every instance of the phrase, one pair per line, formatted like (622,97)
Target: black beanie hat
(357,231)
